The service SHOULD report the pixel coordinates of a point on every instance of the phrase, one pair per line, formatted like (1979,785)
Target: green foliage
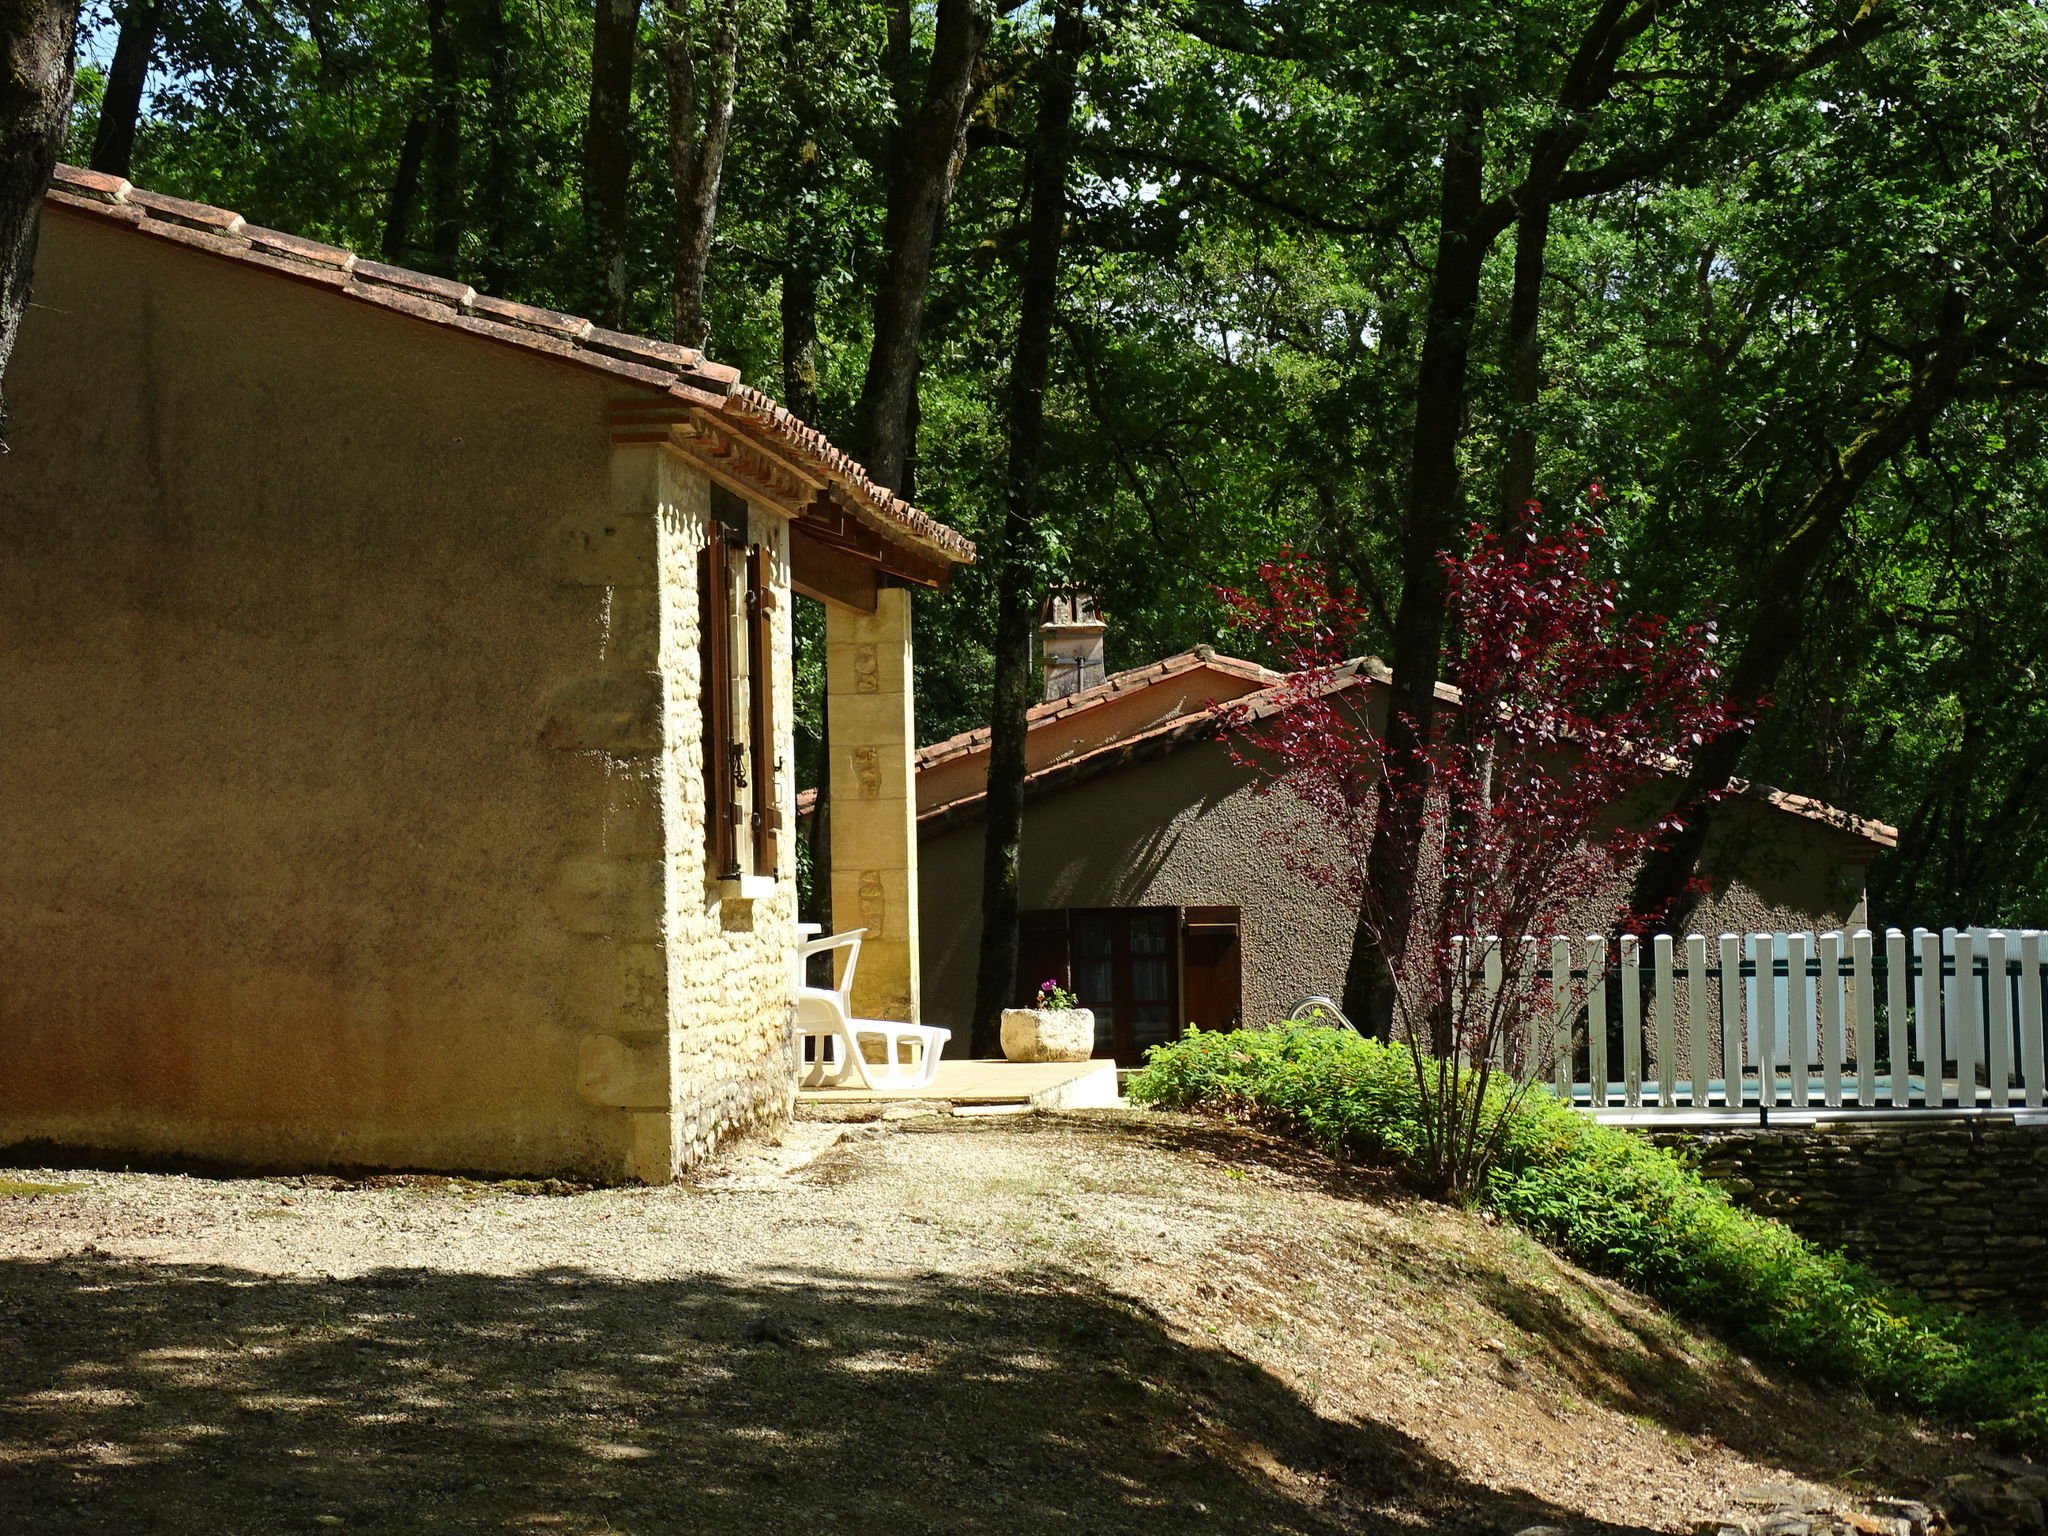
(1244,304)
(1618,1205)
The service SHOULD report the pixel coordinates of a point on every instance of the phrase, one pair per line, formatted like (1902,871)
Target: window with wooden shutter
(724,756)
(766,769)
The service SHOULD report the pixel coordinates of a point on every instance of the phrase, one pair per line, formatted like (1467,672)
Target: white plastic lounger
(832,1036)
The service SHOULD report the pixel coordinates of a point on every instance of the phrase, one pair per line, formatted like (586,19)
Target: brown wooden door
(1212,967)
(1042,954)
(1124,966)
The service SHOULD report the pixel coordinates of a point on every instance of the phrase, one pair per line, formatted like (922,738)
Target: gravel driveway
(1102,1322)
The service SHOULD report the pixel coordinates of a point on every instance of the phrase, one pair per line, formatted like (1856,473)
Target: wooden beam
(831,575)
(832,526)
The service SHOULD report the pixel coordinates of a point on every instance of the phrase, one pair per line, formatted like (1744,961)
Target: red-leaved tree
(1559,709)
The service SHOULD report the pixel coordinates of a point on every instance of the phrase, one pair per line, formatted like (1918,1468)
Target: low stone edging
(1953,1210)
(2003,1498)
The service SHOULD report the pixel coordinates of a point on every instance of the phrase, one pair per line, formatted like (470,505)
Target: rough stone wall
(730,958)
(696,1039)
(1953,1210)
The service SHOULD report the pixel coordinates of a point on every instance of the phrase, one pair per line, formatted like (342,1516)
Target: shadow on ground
(1608,1345)
(138,1397)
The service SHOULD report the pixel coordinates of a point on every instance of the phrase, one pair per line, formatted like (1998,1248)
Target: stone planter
(1048,1034)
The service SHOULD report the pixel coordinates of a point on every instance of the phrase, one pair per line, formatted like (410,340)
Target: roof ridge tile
(531,317)
(218,221)
(455,294)
(317,253)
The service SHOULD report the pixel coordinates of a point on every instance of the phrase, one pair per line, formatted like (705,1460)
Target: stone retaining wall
(1954,1210)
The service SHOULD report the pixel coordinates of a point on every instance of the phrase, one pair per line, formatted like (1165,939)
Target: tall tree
(797,303)
(1778,618)
(113,139)
(1019,564)
(497,186)
(700,104)
(608,153)
(1526,126)
(35,109)
(444,139)
(401,203)
(926,146)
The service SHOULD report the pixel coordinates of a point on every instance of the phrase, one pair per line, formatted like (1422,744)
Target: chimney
(1072,634)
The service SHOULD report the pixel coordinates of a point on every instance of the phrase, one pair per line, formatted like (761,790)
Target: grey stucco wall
(1179,830)
(1187,828)
(279,619)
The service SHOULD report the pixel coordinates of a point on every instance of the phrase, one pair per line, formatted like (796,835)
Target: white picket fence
(1920,1020)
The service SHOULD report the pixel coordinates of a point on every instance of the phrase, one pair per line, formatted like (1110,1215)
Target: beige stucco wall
(314,850)
(1186,829)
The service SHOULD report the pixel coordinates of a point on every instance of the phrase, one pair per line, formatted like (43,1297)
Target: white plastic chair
(832,1036)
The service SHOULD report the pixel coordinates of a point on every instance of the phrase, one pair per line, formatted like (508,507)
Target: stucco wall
(1067,735)
(291,875)
(1186,829)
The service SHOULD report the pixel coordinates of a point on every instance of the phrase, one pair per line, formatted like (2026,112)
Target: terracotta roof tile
(532,317)
(812,446)
(1115,685)
(1202,725)
(98,207)
(681,373)
(644,349)
(276,242)
(94,184)
(179,211)
(405,280)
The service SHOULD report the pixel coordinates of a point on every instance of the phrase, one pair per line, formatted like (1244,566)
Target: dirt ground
(1102,1322)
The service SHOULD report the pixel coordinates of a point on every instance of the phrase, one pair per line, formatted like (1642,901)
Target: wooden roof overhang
(836,555)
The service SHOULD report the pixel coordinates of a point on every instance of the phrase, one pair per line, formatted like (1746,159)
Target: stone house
(397,715)
(1151,880)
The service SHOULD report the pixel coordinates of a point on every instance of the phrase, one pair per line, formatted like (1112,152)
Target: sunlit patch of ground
(1105,1322)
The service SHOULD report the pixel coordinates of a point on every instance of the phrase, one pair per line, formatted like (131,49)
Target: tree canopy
(1332,277)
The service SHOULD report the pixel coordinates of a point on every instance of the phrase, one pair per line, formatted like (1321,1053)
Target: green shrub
(1618,1205)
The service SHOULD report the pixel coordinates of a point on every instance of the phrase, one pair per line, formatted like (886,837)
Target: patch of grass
(1616,1204)
(20,1189)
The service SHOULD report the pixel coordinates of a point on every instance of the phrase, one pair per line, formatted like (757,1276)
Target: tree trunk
(800,338)
(444,140)
(1017,568)
(799,298)
(924,162)
(697,161)
(405,192)
(35,110)
(1665,890)
(501,114)
(1525,359)
(608,154)
(1429,522)
(113,139)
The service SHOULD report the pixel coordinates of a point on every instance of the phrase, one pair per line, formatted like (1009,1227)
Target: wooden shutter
(1041,953)
(724,769)
(714,634)
(767,770)
(1212,967)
